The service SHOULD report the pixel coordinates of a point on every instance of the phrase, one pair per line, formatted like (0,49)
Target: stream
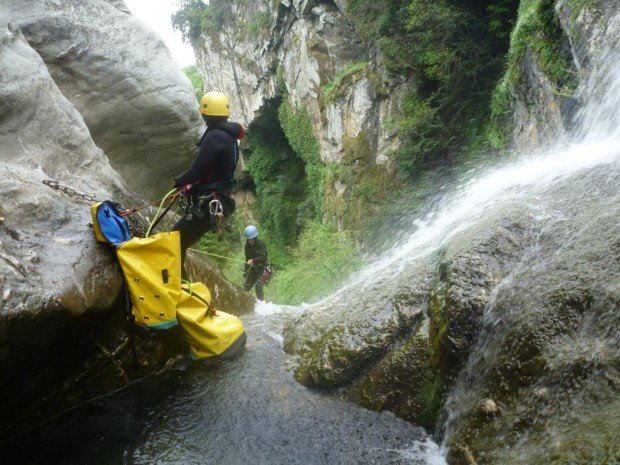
(246,410)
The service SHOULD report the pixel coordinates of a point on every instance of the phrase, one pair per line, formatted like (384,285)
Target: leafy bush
(195,17)
(322,260)
(192,74)
(538,29)
(452,51)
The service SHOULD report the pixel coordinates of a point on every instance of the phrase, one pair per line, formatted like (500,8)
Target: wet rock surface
(547,353)
(63,332)
(340,338)
(514,334)
(543,109)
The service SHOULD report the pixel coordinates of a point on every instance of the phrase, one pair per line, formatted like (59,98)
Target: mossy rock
(404,382)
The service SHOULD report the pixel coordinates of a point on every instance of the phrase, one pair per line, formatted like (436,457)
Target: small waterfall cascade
(594,142)
(592,146)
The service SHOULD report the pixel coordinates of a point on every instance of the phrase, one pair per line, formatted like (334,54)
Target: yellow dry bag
(152,269)
(210,333)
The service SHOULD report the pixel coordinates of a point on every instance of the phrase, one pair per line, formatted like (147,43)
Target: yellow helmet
(214,104)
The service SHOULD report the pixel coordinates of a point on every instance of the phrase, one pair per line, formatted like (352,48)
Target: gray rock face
(314,44)
(542,111)
(63,332)
(51,269)
(138,106)
(547,354)
(49,257)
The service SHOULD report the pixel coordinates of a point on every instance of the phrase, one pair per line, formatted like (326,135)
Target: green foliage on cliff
(452,52)
(192,74)
(195,16)
(330,90)
(279,177)
(322,260)
(538,31)
(297,128)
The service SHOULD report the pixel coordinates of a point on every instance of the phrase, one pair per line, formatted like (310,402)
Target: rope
(173,194)
(131,211)
(216,255)
(171,217)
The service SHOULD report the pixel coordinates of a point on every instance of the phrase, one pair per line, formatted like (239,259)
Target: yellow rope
(216,255)
(161,205)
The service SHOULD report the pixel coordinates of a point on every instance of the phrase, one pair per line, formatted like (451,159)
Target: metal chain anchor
(69,191)
(135,226)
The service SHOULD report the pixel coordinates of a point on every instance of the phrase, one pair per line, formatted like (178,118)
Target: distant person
(211,176)
(256,263)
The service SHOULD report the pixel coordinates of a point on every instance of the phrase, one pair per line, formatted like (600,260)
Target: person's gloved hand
(186,188)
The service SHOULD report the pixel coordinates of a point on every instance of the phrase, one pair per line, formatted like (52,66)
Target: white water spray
(595,142)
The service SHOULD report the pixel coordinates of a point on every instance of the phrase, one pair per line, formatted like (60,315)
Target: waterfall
(595,141)
(593,144)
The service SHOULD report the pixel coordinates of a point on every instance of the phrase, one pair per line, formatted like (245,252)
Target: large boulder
(137,104)
(507,337)
(52,271)
(64,337)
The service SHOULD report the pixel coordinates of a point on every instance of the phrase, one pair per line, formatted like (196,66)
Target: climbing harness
(265,277)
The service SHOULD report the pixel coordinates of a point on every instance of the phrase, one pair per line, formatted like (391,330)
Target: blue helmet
(250,232)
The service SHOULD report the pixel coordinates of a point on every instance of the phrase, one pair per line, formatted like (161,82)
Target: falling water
(594,142)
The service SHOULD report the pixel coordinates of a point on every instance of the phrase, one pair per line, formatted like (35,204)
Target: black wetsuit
(258,253)
(212,176)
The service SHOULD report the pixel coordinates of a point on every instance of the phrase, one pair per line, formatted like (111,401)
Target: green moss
(439,313)
(430,397)
(322,260)
(366,185)
(192,74)
(297,128)
(578,5)
(332,90)
(537,30)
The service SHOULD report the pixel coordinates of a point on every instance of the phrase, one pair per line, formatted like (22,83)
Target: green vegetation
(194,18)
(538,30)
(365,185)
(192,73)
(322,260)
(280,181)
(344,78)
(297,128)
(452,51)
(258,25)
(452,54)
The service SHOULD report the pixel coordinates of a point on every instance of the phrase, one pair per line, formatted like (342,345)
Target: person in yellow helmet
(212,174)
